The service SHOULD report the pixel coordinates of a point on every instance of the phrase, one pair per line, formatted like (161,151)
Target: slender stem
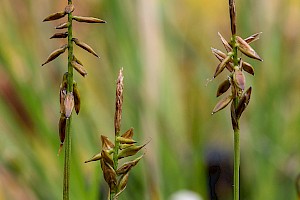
(236,177)
(66,181)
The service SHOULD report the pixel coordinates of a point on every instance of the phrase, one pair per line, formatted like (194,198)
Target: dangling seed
(106,143)
(62,25)
(76,98)
(85,47)
(223,87)
(248,68)
(94,158)
(56,53)
(243,103)
(239,79)
(252,38)
(127,166)
(69,8)
(221,66)
(222,104)
(59,35)
(128,134)
(246,49)
(88,19)
(55,16)
(62,128)
(69,104)
(225,43)
(79,68)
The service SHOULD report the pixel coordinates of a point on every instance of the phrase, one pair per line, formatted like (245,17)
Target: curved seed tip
(60,148)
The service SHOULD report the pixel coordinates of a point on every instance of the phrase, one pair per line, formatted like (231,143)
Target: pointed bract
(59,35)
(62,25)
(94,158)
(239,79)
(225,43)
(223,87)
(122,184)
(56,53)
(243,103)
(222,104)
(85,47)
(79,68)
(55,16)
(130,151)
(127,166)
(128,134)
(221,66)
(62,128)
(246,49)
(76,98)
(252,38)
(248,68)
(88,19)
(106,143)
(69,104)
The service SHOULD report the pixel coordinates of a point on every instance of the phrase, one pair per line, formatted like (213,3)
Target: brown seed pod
(69,104)
(62,96)
(62,128)
(222,104)
(94,158)
(88,19)
(252,38)
(76,97)
(239,79)
(55,16)
(124,146)
(107,157)
(59,35)
(225,43)
(223,87)
(62,25)
(69,8)
(76,60)
(127,166)
(79,68)
(246,49)
(221,56)
(248,68)
(222,66)
(243,103)
(56,53)
(85,47)
(123,140)
(234,120)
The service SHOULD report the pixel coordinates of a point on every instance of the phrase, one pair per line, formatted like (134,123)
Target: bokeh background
(164,48)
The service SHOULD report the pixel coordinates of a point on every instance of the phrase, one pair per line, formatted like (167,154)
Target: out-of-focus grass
(164,47)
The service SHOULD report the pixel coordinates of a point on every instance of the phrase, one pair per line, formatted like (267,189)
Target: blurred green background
(164,48)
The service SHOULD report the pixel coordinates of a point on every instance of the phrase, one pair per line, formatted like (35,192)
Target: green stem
(66,181)
(236,177)
(115,160)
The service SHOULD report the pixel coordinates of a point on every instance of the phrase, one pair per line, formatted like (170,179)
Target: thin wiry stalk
(66,181)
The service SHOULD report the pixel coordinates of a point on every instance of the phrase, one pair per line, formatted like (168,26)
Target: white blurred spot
(185,195)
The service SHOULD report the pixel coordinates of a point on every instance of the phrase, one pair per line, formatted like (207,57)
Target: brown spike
(128,134)
(232,13)
(62,25)
(76,98)
(69,8)
(225,43)
(119,102)
(85,47)
(62,128)
(223,87)
(106,143)
(239,79)
(243,103)
(127,166)
(222,66)
(88,19)
(248,68)
(252,38)
(69,104)
(222,104)
(59,35)
(56,53)
(79,68)
(55,16)
(246,49)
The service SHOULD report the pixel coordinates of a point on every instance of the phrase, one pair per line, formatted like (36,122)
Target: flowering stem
(66,181)
(236,164)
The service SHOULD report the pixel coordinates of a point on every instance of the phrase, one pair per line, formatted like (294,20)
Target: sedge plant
(69,94)
(239,96)
(112,152)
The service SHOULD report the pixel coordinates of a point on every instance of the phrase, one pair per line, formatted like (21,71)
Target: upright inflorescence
(69,93)
(239,97)
(123,146)
(69,97)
